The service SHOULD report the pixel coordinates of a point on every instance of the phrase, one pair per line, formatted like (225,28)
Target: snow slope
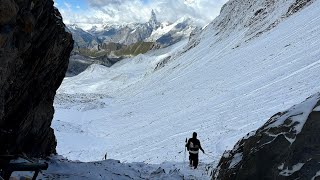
(225,83)
(62,168)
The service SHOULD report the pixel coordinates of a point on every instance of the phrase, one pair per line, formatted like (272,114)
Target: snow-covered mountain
(82,38)
(170,33)
(255,59)
(153,30)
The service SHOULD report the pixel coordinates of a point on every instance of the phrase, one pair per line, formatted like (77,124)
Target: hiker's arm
(200,147)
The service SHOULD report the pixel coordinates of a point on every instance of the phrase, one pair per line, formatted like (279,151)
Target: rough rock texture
(34,53)
(78,63)
(286,147)
(297,6)
(250,18)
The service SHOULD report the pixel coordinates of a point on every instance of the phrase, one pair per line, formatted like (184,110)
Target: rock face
(78,63)
(286,147)
(34,54)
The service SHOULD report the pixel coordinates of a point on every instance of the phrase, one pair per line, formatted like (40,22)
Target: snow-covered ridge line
(252,18)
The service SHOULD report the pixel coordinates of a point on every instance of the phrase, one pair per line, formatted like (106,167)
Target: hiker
(193,147)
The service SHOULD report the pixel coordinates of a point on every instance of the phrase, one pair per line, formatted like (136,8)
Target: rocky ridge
(249,19)
(286,147)
(34,54)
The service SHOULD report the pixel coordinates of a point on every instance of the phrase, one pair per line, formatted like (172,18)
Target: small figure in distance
(193,147)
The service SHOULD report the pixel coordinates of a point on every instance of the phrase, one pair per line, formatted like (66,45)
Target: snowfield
(221,88)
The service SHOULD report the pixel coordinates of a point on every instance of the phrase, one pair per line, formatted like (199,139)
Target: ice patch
(294,169)
(236,159)
(281,166)
(317,108)
(226,155)
(252,133)
(317,175)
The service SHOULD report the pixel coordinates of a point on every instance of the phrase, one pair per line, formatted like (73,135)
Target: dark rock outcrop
(78,63)
(298,5)
(34,54)
(286,147)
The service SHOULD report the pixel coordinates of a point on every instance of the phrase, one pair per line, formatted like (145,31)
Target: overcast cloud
(128,11)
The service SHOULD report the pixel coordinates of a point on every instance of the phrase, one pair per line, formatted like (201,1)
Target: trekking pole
(185,153)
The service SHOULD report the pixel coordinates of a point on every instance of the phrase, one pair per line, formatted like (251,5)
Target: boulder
(34,53)
(286,147)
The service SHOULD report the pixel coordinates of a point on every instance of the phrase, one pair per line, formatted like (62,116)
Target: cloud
(99,3)
(129,11)
(69,6)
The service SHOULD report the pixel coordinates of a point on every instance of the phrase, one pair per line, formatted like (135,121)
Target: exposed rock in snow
(78,63)
(153,20)
(287,145)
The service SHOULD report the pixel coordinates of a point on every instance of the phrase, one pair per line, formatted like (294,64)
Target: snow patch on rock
(293,169)
(295,117)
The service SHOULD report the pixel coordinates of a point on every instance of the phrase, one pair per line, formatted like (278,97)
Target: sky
(87,13)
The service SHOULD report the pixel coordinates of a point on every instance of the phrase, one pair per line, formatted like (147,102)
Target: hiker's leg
(196,161)
(190,159)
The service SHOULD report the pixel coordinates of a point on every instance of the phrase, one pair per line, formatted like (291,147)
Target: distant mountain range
(110,43)
(161,33)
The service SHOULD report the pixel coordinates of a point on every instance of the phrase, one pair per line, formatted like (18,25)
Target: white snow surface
(298,116)
(222,88)
(61,168)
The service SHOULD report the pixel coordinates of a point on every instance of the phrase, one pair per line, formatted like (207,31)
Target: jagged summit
(132,33)
(153,20)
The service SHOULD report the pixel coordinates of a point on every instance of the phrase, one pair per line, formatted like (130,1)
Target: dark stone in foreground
(286,147)
(34,54)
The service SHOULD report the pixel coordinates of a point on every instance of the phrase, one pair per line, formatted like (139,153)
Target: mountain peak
(73,26)
(153,14)
(153,20)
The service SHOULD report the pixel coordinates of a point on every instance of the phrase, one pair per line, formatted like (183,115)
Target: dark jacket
(194,145)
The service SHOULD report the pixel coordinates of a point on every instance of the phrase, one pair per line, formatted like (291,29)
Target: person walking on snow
(193,147)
